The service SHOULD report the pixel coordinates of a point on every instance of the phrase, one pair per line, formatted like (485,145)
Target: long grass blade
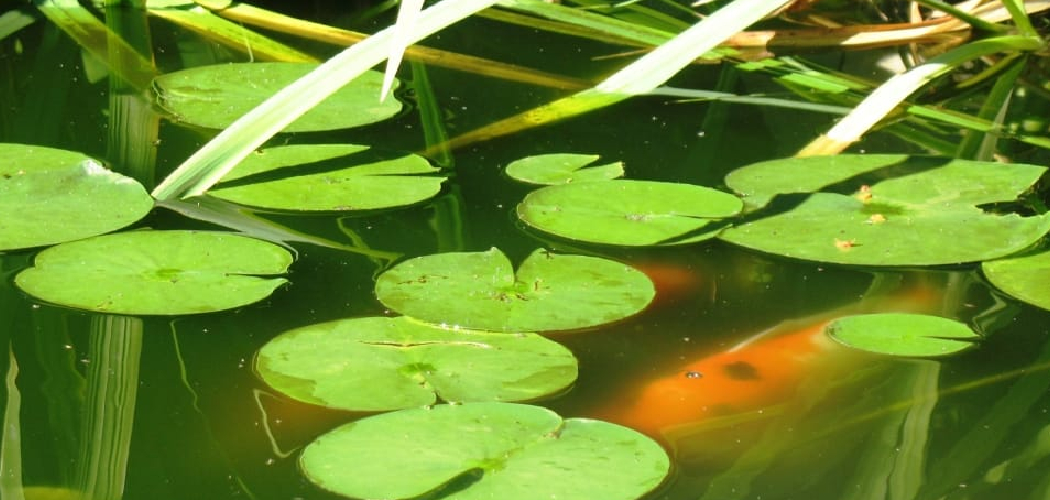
(639,77)
(402,29)
(981,146)
(964,16)
(195,18)
(756,100)
(570,22)
(1016,8)
(891,94)
(430,115)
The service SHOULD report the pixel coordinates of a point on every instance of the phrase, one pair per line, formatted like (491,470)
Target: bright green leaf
(215,96)
(900,334)
(480,290)
(1026,277)
(562,168)
(374,364)
(50,195)
(484,451)
(329,177)
(622,212)
(883,209)
(156,272)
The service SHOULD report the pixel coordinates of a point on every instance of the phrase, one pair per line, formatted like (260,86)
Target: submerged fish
(760,372)
(673,281)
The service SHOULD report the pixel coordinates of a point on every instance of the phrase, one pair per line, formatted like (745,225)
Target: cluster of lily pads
(465,340)
(452,371)
(869,210)
(365,364)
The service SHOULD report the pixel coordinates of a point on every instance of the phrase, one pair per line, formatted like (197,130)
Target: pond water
(159,407)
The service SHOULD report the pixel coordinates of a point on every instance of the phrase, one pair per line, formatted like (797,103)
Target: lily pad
(156,272)
(892,210)
(215,96)
(329,177)
(378,364)
(484,451)
(480,290)
(1025,277)
(900,334)
(630,213)
(49,196)
(562,168)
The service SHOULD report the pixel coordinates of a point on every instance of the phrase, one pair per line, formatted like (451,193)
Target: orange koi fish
(761,372)
(673,281)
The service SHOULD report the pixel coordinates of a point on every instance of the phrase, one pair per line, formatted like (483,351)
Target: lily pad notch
(482,291)
(884,210)
(484,451)
(382,364)
(902,334)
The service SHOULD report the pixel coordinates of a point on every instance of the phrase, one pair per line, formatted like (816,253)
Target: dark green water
(178,413)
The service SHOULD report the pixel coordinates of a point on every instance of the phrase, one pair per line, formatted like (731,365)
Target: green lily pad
(1025,277)
(378,364)
(892,210)
(900,334)
(484,451)
(49,196)
(215,96)
(562,168)
(156,272)
(630,213)
(480,290)
(328,177)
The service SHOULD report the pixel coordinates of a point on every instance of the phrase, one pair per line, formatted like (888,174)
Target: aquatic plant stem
(96,39)
(891,94)
(11,436)
(981,146)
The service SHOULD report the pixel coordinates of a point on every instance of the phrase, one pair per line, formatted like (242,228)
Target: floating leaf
(760,182)
(156,272)
(900,334)
(480,290)
(483,451)
(215,96)
(328,177)
(623,212)
(375,364)
(1026,277)
(884,209)
(49,196)
(562,168)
